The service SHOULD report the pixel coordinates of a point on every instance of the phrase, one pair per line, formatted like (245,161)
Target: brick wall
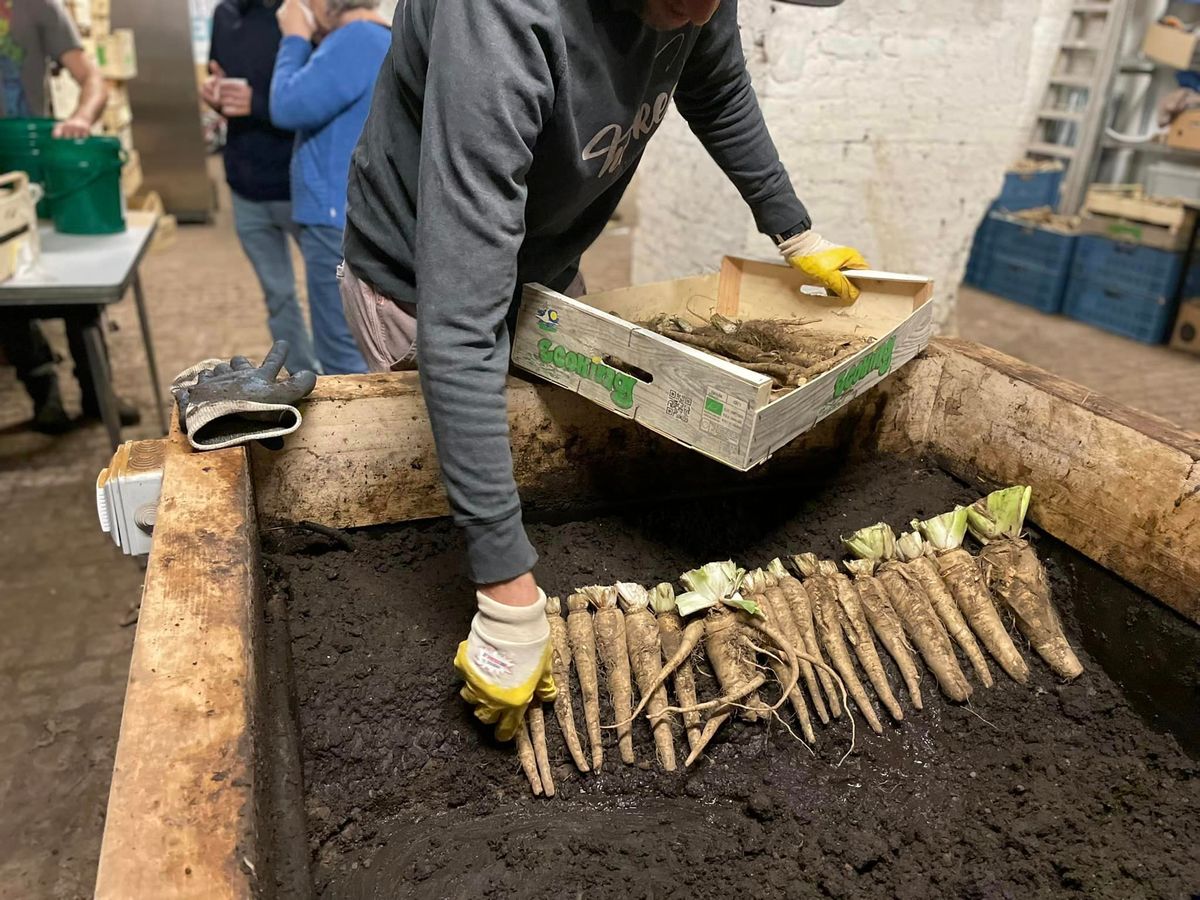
(895,119)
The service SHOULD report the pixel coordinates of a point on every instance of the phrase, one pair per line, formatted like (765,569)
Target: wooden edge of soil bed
(1117,485)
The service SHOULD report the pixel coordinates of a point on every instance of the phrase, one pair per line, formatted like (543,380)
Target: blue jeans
(263,228)
(336,348)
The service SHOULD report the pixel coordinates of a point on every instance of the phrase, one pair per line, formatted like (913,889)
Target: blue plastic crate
(1128,269)
(1025,191)
(1142,317)
(1191,281)
(1024,263)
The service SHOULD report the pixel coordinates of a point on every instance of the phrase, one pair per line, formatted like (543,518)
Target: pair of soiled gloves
(223,403)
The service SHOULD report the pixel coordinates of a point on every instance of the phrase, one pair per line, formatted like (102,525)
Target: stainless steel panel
(166,106)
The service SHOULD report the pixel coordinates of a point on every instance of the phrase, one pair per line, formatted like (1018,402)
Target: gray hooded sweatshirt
(501,136)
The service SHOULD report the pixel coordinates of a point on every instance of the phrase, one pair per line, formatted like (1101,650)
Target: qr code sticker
(679,406)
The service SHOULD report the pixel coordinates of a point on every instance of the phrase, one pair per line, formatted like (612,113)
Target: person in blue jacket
(323,93)
(245,39)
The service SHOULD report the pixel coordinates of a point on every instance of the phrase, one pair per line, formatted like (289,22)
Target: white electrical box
(127,495)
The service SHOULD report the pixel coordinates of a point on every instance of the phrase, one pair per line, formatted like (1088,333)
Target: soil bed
(1043,790)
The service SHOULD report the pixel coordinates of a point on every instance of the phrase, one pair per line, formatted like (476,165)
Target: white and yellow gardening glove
(823,262)
(505,662)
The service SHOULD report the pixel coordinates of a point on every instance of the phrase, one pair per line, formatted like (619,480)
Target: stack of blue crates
(1124,288)
(1019,260)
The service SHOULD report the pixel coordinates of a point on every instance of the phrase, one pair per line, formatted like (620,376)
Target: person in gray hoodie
(501,136)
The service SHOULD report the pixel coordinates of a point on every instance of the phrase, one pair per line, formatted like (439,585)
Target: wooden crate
(1124,212)
(18,222)
(717,407)
(117,111)
(131,175)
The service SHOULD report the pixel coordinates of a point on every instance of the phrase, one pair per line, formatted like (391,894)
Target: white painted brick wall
(895,119)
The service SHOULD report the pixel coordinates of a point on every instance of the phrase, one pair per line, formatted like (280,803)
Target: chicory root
(858,632)
(801,606)
(537,734)
(921,622)
(612,645)
(761,588)
(913,551)
(670,634)
(528,760)
(645,658)
(583,652)
(829,618)
(886,624)
(961,572)
(561,669)
(1017,576)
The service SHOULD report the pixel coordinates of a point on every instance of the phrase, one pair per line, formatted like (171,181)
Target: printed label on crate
(723,416)
(591,368)
(878,360)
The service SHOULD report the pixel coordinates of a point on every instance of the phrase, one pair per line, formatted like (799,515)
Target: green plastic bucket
(83,184)
(22,146)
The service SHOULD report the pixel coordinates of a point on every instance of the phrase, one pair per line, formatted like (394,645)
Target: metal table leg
(93,341)
(149,344)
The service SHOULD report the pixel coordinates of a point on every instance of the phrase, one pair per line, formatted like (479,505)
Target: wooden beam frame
(1118,485)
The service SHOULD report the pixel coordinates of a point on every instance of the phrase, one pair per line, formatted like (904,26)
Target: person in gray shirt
(501,136)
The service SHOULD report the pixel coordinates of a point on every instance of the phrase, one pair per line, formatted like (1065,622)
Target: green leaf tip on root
(910,546)
(713,584)
(944,532)
(876,542)
(662,598)
(776,568)
(1001,514)
(632,596)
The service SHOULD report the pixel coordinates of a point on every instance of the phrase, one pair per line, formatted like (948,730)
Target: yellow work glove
(823,262)
(505,662)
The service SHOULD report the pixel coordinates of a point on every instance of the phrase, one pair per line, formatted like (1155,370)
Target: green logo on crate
(618,384)
(878,360)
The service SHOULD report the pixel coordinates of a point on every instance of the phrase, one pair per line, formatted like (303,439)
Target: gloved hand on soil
(222,404)
(823,261)
(505,662)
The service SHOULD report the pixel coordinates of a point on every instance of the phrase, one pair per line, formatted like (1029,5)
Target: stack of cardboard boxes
(114,53)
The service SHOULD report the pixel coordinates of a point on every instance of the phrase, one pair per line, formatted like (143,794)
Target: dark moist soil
(1044,790)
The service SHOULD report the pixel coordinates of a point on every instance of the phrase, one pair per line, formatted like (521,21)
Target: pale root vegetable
(1017,576)
(537,734)
(645,658)
(761,588)
(886,624)
(961,572)
(801,606)
(913,552)
(528,760)
(670,634)
(878,544)
(731,656)
(560,661)
(858,633)
(612,646)
(583,653)
(832,627)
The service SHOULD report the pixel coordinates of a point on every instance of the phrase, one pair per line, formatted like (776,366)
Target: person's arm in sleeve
(309,88)
(488,91)
(61,42)
(716,98)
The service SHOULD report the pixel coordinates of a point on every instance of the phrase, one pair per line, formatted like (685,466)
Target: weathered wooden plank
(1120,486)
(180,811)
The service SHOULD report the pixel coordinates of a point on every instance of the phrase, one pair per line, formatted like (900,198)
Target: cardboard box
(125,136)
(99,7)
(1186,334)
(101,26)
(116,54)
(717,407)
(1172,46)
(117,112)
(1184,132)
(131,174)
(80,12)
(64,95)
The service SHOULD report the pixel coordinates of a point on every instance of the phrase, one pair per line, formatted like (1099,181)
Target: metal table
(79,275)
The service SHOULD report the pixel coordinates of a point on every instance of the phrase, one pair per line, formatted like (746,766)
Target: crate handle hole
(629,369)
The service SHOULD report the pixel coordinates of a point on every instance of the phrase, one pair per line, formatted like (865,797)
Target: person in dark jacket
(245,40)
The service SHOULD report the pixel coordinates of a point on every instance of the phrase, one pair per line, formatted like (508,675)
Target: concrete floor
(66,593)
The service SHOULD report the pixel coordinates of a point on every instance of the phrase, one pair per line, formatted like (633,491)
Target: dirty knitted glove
(822,261)
(505,662)
(222,404)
